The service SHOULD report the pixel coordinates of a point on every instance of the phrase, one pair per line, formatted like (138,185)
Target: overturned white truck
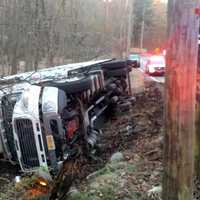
(47,117)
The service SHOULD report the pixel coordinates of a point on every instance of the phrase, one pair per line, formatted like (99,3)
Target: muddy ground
(141,148)
(136,134)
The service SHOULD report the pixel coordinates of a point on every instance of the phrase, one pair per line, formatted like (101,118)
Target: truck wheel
(114,65)
(117,73)
(75,86)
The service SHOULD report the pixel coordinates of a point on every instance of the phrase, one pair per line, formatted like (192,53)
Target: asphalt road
(159,79)
(140,80)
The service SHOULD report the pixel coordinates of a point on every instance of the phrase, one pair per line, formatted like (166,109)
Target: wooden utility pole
(196,178)
(179,154)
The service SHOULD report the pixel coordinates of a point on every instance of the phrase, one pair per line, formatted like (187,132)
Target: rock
(73,192)
(116,166)
(117,157)
(155,193)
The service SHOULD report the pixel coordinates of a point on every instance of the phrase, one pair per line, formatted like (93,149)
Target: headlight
(17,179)
(43,183)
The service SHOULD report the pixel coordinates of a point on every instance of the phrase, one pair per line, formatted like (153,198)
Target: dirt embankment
(138,167)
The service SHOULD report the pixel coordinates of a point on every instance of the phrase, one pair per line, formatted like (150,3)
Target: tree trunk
(14,65)
(180,100)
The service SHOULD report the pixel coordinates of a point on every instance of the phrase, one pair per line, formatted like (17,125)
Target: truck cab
(49,118)
(57,110)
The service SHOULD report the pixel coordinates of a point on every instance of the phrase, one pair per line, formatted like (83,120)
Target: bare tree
(48,32)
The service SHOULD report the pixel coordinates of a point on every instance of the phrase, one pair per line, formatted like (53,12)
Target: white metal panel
(50,100)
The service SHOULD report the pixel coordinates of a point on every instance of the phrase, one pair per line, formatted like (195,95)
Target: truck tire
(73,87)
(114,65)
(116,73)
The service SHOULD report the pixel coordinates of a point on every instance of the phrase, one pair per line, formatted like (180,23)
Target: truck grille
(25,133)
